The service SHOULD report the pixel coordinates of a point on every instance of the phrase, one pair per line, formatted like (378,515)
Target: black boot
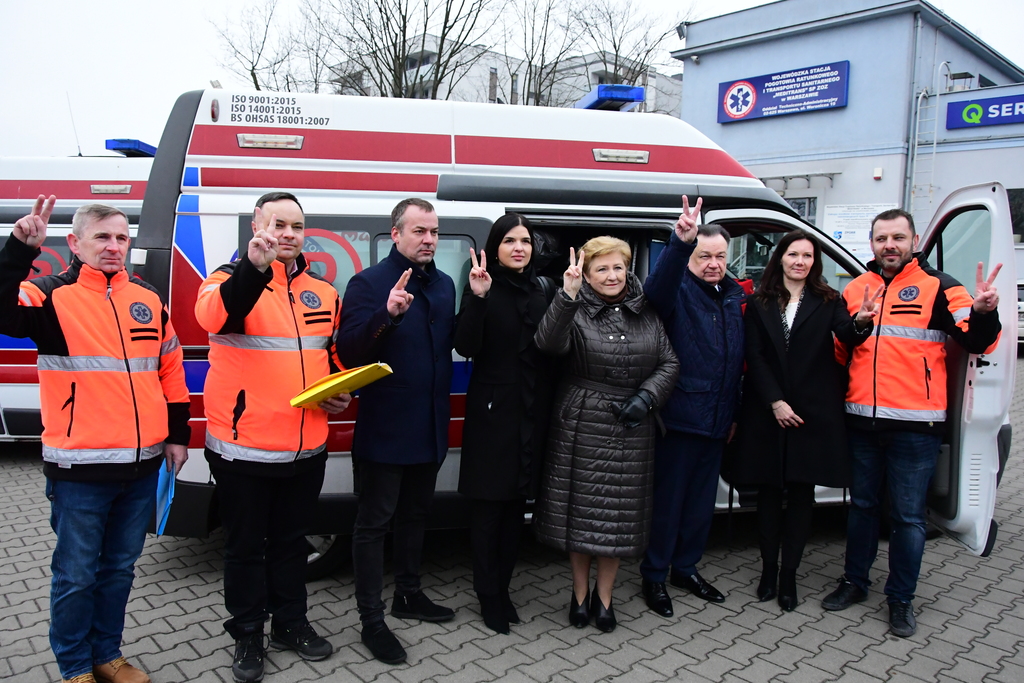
(787,589)
(766,588)
(604,617)
(579,615)
(493,614)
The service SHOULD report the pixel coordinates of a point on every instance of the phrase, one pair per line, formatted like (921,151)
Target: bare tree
(314,54)
(256,48)
(543,34)
(623,41)
(402,48)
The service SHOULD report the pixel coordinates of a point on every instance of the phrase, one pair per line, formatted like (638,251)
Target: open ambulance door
(972,225)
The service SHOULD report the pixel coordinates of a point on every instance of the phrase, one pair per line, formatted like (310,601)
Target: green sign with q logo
(972,113)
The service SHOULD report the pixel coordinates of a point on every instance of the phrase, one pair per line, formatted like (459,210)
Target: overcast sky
(122,63)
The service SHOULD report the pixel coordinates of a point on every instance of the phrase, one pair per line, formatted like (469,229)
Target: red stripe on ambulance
(70,189)
(492,151)
(350,145)
(409,183)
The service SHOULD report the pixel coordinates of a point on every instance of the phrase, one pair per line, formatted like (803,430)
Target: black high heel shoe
(579,615)
(787,589)
(766,588)
(604,617)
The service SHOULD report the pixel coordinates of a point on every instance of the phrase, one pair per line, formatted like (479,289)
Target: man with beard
(896,404)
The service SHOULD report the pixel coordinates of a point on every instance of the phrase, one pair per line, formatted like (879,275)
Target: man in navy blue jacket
(700,306)
(401,312)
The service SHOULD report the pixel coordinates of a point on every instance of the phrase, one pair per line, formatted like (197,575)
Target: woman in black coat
(507,407)
(791,423)
(596,496)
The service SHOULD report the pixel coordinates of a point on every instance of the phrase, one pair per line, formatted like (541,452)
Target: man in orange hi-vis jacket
(115,408)
(272,324)
(896,404)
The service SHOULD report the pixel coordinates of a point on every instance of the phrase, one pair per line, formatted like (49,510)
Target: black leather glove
(634,409)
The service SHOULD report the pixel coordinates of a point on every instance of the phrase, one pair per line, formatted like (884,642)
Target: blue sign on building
(789,92)
(991,111)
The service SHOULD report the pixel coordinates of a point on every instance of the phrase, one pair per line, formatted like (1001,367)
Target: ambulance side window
(962,243)
(749,254)
(337,255)
(451,257)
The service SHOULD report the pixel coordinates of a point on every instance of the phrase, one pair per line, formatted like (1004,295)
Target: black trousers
(787,527)
(265,524)
(401,492)
(495,529)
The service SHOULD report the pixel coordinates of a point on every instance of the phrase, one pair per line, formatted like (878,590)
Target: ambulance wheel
(327,554)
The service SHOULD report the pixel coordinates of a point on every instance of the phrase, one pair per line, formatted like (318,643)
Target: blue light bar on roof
(613,97)
(131,148)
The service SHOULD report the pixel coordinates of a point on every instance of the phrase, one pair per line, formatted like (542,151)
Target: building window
(492,86)
(807,207)
(515,89)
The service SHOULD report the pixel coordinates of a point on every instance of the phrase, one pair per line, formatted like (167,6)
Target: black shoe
(381,642)
(604,617)
(657,597)
(250,651)
(843,596)
(901,619)
(698,586)
(419,606)
(579,615)
(304,640)
(767,586)
(493,614)
(787,590)
(511,615)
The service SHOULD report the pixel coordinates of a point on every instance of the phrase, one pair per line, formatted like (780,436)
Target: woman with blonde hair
(597,486)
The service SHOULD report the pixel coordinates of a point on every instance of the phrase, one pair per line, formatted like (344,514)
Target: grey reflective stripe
(23,298)
(147,364)
(258,343)
(65,457)
(171,344)
(896,413)
(81,363)
(96,364)
(911,333)
(233,451)
(962,314)
(316,342)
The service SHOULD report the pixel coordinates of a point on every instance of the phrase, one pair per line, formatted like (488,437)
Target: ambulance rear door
(973,224)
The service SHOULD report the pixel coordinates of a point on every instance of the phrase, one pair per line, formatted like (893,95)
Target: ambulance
(575,174)
(116,180)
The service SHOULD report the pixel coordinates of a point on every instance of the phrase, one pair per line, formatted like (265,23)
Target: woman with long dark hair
(791,423)
(507,406)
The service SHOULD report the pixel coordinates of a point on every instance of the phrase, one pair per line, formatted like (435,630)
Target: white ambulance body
(115,180)
(574,173)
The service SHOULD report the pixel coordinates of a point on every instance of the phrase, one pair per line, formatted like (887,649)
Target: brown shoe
(80,678)
(118,671)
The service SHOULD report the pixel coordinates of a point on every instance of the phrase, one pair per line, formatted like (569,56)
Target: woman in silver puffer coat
(597,485)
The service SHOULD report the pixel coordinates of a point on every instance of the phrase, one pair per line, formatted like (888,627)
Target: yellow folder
(344,382)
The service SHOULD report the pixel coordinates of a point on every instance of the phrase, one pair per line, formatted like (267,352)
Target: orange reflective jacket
(111,382)
(899,374)
(271,335)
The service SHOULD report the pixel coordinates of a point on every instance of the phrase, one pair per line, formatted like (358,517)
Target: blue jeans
(101,528)
(906,460)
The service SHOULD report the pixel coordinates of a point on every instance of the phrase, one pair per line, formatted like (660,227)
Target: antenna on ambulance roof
(75,129)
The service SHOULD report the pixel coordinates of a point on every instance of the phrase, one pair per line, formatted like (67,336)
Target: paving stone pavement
(970,611)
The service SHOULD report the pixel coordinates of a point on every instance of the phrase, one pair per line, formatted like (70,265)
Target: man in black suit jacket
(401,312)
